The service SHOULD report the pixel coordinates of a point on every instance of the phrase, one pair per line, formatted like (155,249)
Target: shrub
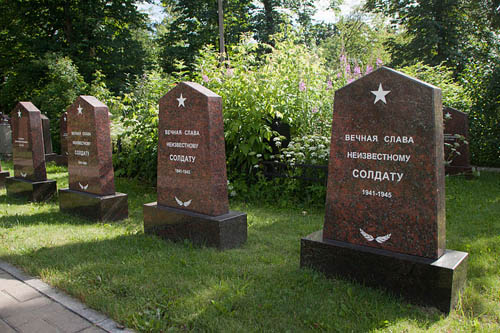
(482,82)
(290,85)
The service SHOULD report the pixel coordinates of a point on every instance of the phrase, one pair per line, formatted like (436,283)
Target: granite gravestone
(385,206)
(91,191)
(47,139)
(3,175)
(192,182)
(5,137)
(456,138)
(30,177)
(63,132)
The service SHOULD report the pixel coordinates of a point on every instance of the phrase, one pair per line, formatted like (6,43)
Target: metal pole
(221,31)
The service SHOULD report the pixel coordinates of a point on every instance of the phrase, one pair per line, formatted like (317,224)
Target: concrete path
(29,305)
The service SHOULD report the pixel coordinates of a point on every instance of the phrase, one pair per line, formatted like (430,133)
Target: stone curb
(68,302)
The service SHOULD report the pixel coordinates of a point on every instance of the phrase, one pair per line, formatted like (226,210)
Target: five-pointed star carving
(380,94)
(19,113)
(181,101)
(80,109)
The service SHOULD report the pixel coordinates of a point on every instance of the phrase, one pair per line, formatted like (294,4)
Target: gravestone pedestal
(112,207)
(30,176)
(31,190)
(91,193)
(425,281)
(223,232)
(385,218)
(192,183)
(3,175)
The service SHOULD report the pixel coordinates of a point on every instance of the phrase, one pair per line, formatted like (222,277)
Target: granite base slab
(50,157)
(225,231)
(459,170)
(94,207)
(61,160)
(30,190)
(423,281)
(3,175)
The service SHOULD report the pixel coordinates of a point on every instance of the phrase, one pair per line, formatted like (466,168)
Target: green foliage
(362,42)
(446,31)
(62,86)
(138,122)
(196,24)
(291,85)
(453,93)
(257,288)
(482,82)
(95,35)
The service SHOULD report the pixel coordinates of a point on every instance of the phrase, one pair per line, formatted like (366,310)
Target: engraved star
(380,94)
(80,109)
(181,101)
(19,113)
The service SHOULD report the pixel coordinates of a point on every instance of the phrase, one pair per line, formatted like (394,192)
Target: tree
(94,34)
(195,25)
(440,31)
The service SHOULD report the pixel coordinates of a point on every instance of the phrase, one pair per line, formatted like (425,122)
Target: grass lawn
(152,286)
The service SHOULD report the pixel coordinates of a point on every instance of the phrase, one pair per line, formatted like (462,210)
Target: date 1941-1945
(377,193)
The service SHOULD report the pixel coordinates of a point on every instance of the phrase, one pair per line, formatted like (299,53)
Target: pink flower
(314,110)
(302,86)
(347,68)
(357,70)
(343,58)
(350,80)
(379,62)
(339,75)
(369,69)
(329,84)
(230,72)
(205,78)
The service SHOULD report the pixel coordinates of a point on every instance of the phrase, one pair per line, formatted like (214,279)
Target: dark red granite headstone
(191,153)
(386,173)
(63,130)
(47,137)
(27,143)
(456,134)
(90,165)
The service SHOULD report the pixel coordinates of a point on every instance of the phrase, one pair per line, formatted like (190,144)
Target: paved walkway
(29,305)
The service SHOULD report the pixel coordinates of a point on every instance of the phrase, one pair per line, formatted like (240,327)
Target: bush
(482,82)
(291,85)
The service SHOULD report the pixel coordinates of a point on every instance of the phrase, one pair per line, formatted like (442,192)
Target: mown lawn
(152,285)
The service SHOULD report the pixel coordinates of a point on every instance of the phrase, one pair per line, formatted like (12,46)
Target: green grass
(152,285)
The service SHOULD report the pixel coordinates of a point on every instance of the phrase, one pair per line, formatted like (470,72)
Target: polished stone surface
(191,152)
(386,172)
(424,281)
(5,138)
(456,122)
(36,191)
(223,232)
(62,159)
(90,165)
(47,137)
(94,207)
(28,147)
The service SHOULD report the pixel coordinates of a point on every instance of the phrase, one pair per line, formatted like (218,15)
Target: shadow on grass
(152,285)
(147,283)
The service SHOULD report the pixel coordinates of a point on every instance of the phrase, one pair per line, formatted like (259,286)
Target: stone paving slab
(28,305)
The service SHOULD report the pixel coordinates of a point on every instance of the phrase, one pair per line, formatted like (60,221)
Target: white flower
(233,193)
(259,155)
